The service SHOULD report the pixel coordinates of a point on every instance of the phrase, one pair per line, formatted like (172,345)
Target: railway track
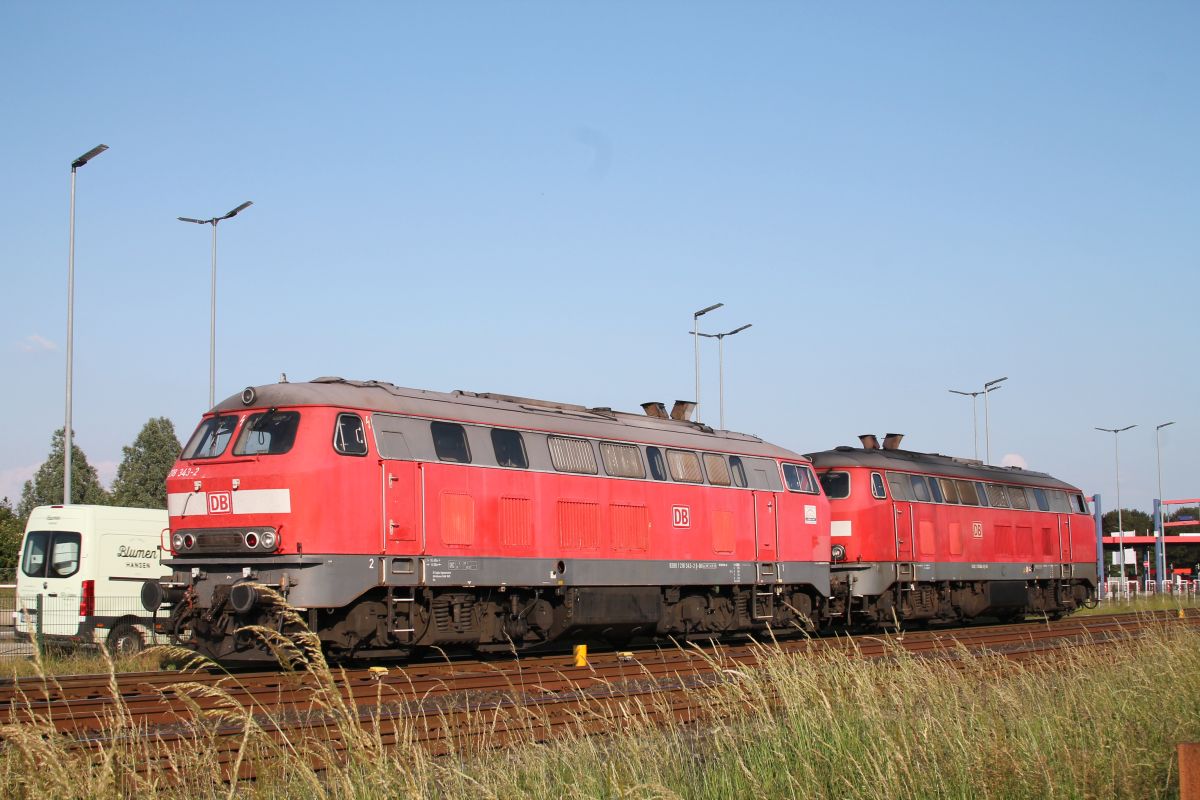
(442,706)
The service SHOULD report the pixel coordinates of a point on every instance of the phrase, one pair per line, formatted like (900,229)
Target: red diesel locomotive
(920,536)
(397,519)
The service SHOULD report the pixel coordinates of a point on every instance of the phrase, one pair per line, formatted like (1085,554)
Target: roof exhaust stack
(656,410)
(682,410)
(869,441)
(892,441)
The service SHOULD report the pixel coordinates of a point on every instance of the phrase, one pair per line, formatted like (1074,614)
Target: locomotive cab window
(836,484)
(268,433)
(210,438)
(877,490)
(622,460)
(1080,504)
(738,471)
(509,448)
(450,442)
(349,439)
(800,478)
(658,467)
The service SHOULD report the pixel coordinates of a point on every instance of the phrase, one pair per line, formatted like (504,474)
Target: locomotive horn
(869,441)
(892,441)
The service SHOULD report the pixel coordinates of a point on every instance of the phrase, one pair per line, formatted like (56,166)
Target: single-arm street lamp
(212,313)
(67,445)
(1117,450)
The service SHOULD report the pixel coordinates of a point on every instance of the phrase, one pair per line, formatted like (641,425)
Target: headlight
(838,552)
(177,541)
(268,540)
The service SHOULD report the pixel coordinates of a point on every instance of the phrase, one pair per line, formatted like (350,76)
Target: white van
(87,565)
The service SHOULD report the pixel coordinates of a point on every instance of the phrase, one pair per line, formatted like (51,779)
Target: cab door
(402,510)
(904,526)
(766,526)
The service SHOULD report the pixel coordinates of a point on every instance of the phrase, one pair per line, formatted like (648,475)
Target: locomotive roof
(913,461)
(504,411)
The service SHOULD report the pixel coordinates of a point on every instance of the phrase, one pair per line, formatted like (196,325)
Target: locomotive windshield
(268,433)
(836,484)
(211,438)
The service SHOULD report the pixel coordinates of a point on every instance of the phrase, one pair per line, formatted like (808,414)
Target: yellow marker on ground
(581,655)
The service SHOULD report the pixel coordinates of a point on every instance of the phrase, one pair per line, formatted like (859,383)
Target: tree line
(141,481)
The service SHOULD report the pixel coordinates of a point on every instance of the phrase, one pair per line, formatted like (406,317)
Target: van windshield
(211,438)
(50,554)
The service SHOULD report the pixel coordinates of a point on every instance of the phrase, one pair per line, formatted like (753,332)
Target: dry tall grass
(1094,722)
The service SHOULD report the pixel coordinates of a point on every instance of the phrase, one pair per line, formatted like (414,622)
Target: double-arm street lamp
(212,315)
(1117,450)
(990,386)
(720,337)
(696,333)
(67,445)
(974,418)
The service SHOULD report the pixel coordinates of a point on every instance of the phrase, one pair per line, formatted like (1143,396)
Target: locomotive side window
(997,497)
(920,488)
(622,460)
(510,448)
(1058,502)
(210,438)
(658,467)
(799,479)
(966,493)
(685,466)
(450,442)
(898,482)
(269,433)
(935,490)
(738,471)
(1042,503)
(572,455)
(1080,504)
(981,493)
(1018,497)
(949,489)
(877,490)
(348,436)
(836,484)
(717,469)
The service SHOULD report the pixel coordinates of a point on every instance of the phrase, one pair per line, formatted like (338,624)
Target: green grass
(1092,722)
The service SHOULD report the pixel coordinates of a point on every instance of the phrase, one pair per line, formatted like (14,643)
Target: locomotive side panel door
(903,524)
(401,484)
(1065,544)
(766,526)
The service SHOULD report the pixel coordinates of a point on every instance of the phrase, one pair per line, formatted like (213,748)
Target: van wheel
(125,640)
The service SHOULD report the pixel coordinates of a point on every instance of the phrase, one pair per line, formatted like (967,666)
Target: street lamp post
(990,386)
(67,444)
(696,333)
(974,418)
(212,312)
(720,337)
(1117,450)
(1160,553)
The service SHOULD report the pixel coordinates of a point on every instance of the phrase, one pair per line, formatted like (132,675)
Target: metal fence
(55,621)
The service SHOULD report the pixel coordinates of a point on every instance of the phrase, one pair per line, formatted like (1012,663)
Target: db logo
(681,516)
(220,502)
(977,530)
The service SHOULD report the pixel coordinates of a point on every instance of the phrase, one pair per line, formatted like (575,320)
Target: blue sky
(533,198)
